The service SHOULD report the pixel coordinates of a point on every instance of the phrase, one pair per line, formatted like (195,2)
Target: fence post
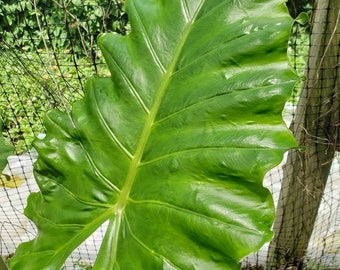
(315,126)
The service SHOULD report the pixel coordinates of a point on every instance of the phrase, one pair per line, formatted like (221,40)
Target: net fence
(306,186)
(48,49)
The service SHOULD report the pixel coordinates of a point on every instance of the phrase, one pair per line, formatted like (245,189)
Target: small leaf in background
(303,18)
(173,147)
(11,181)
(77,3)
(5,150)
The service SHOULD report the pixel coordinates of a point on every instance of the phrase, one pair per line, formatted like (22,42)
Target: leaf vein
(97,171)
(71,194)
(190,150)
(216,7)
(217,49)
(147,40)
(109,131)
(201,101)
(190,212)
(126,79)
(186,11)
(140,242)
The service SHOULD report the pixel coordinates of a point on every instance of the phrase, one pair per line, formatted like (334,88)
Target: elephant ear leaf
(172,149)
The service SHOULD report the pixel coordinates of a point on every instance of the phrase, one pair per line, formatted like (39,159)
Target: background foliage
(48,65)
(66,19)
(296,7)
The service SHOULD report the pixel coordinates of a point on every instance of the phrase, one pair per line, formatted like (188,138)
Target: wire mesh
(307,224)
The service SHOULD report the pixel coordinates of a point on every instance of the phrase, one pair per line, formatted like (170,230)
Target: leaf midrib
(136,160)
(119,208)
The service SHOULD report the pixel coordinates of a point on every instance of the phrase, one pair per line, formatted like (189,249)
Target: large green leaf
(172,149)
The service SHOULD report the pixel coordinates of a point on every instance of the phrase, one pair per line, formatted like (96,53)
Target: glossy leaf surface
(172,149)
